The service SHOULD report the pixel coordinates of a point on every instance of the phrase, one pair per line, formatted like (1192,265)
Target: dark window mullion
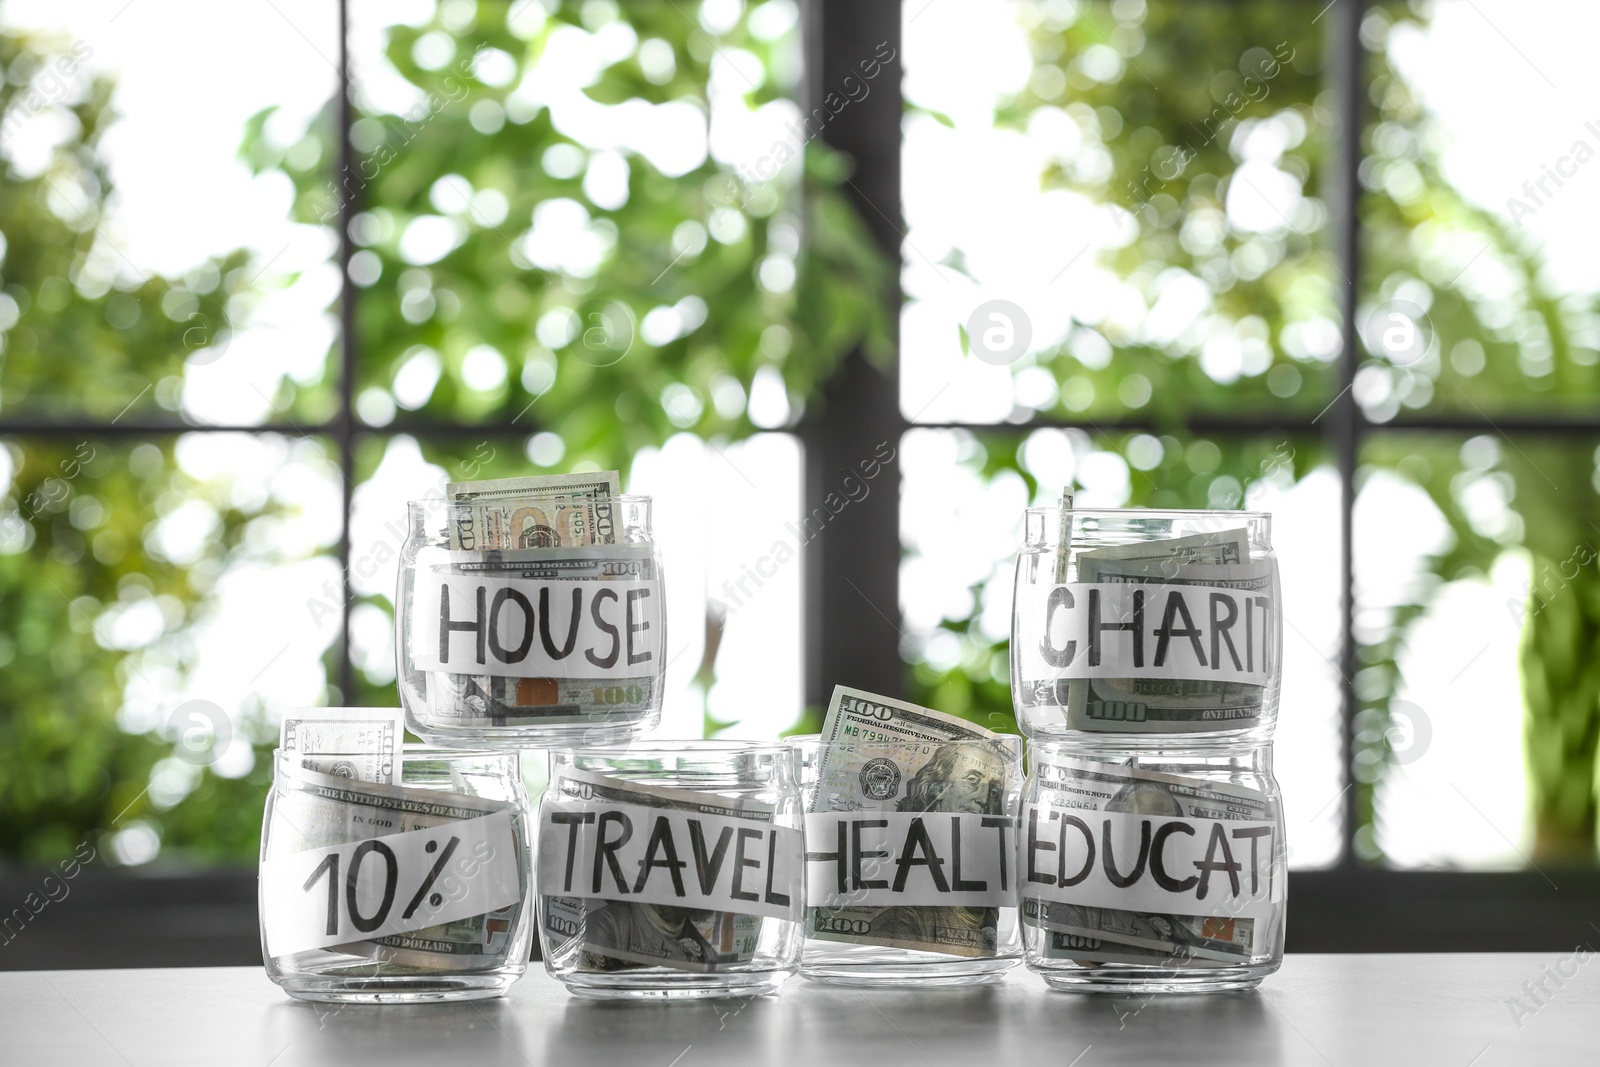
(344,423)
(1345,427)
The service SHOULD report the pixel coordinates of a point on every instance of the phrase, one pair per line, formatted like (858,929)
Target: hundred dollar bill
(484,700)
(1068,784)
(620,935)
(1091,952)
(537,512)
(1169,705)
(322,810)
(1221,938)
(543,511)
(881,753)
(359,743)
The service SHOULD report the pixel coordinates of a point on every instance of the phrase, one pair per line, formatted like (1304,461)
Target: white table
(1334,1009)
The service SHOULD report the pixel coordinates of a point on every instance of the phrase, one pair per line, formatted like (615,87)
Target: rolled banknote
(1091,952)
(617,935)
(1221,938)
(1084,785)
(878,753)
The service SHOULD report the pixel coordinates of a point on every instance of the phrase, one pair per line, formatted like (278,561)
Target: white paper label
(1150,630)
(1187,866)
(388,885)
(680,859)
(879,858)
(536,628)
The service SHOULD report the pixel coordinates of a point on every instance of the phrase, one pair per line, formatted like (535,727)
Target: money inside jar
(350,789)
(878,754)
(547,528)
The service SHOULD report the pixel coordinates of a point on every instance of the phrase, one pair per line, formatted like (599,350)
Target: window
(1245,254)
(529,235)
(1242,254)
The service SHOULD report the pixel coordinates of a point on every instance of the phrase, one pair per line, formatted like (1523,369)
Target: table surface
(1458,1010)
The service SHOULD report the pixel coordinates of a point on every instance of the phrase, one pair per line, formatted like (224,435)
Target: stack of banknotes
(546,527)
(349,789)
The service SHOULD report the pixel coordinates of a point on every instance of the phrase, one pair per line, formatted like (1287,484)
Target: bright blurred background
(586,235)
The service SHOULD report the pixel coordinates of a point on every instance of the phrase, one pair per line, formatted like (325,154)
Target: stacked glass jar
(1146,672)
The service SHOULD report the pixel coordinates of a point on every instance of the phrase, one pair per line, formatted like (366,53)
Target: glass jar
(672,869)
(909,871)
(1146,623)
(397,894)
(1152,871)
(532,645)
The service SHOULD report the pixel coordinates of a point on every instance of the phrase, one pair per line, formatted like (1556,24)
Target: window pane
(576,219)
(149,264)
(1477,619)
(728,524)
(1089,179)
(157,596)
(961,519)
(1479,278)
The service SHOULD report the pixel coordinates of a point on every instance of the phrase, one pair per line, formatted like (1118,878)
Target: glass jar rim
(815,740)
(1180,746)
(410,751)
(691,746)
(1152,513)
(428,503)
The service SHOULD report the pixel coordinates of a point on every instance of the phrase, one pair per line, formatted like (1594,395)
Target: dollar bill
(1086,785)
(542,511)
(1092,952)
(322,810)
(1170,705)
(880,753)
(619,935)
(1216,546)
(358,743)
(485,700)
(1221,938)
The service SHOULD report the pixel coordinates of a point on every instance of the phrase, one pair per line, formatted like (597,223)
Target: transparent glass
(1145,871)
(1145,623)
(952,917)
(722,818)
(559,645)
(461,958)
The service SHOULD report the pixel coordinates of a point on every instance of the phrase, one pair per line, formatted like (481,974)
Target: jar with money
(1146,871)
(389,874)
(1144,623)
(531,614)
(672,869)
(910,848)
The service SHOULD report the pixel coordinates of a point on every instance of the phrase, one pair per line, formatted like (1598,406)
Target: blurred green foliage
(86,589)
(740,280)
(612,332)
(1163,97)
